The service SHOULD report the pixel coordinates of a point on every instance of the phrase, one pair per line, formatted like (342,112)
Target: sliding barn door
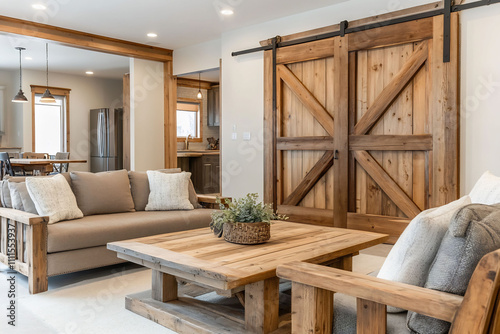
(365,133)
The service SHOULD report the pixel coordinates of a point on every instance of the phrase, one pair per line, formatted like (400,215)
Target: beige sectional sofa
(44,250)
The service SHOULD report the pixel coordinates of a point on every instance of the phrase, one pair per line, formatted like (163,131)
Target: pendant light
(199,96)
(47,96)
(20,98)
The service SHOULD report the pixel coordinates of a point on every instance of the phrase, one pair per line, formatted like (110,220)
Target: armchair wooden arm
(313,287)
(212,200)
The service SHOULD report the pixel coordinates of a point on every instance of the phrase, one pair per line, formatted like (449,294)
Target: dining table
(42,164)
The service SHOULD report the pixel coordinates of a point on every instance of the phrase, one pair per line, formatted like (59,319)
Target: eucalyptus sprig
(243,210)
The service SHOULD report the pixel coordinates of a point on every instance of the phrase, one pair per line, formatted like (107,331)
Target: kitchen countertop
(195,153)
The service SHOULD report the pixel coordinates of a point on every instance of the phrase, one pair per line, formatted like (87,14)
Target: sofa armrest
(22,217)
(26,246)
(429,302)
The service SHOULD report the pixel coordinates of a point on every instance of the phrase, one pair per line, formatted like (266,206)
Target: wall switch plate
(234,136)
(246,136)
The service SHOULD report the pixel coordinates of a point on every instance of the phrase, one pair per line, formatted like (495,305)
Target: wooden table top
(23,162)
(199,256)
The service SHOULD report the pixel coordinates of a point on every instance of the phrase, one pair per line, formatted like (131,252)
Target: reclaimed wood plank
(341,137)
(308,99)
(392,90)
(421,142)
(164,286)
(298,53)
(269,168)
(262,306)
(390,187)
(310,180)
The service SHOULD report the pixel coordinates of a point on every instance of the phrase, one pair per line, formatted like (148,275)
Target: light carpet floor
(93,301)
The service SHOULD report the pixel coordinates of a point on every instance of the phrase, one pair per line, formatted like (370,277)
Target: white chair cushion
(53,198)
(168,191)
(412,255)
(486,190)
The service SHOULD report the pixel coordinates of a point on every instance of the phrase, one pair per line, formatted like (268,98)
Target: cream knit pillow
(168,191)
(53,198)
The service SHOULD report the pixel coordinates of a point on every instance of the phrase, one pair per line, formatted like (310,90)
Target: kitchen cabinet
(213,106)
(204,168)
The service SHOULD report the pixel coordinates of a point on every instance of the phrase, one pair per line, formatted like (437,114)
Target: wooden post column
(312,309)
(262,306)
(371,317)
(164,287)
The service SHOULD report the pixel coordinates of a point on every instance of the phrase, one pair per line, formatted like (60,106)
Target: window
(50,121)
(189,117)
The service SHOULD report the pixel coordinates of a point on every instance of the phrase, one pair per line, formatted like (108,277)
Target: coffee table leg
(262,306)
(164,287)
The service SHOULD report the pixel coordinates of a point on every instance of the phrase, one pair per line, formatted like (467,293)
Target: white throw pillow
(168,191)
(53,198)
(486,190)
(410,258)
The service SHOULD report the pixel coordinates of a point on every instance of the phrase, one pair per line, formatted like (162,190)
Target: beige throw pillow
(53,198)
(139,185)
(168,191)
(104,192)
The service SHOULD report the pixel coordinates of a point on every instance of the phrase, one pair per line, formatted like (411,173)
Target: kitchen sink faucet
(187,141)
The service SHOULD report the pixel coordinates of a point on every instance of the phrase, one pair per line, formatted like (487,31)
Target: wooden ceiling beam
(82,40)
(193,83)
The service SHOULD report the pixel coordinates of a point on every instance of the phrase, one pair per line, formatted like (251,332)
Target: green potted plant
(244,220)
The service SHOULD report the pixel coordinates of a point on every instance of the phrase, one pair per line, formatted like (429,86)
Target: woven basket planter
(247,233)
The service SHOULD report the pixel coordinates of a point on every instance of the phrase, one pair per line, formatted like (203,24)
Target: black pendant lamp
(20,98)
(199,96)
(47,96)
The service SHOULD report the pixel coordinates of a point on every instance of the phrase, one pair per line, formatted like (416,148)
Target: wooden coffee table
(198,256)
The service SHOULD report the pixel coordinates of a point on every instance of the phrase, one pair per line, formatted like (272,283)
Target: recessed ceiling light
(28,58)
(39,6)
(227,11)
(89,72)
(152,35)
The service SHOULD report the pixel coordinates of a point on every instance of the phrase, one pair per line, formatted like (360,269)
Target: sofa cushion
(104,192)
(139,186)
(412,255)
(473,232)
(21,199)
(486,190)
(168,191)
(23,178)
(98,230)
(5,194)
(53,198)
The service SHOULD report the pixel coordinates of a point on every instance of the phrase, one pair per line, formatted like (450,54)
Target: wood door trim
(312,143)
(316,173)
(392,90)
(307,98)
(84,40)
(390,142)
(388,185)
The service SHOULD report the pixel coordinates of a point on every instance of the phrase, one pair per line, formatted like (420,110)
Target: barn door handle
(336,155)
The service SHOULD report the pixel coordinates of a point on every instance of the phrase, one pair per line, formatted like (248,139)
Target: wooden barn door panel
(367,127)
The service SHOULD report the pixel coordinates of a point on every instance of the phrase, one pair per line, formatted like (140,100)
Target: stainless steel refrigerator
(106,139)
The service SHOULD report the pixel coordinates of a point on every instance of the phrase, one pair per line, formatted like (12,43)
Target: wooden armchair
(313,287)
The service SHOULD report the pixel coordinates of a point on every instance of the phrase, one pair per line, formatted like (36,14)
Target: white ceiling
(62,59)
(178,23)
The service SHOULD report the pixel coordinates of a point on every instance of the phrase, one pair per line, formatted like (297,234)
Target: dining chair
(34,155)
(62,167)
(5,166)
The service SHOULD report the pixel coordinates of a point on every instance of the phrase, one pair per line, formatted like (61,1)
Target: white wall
(146,115)
(197,57)
(86,93)
(480,94)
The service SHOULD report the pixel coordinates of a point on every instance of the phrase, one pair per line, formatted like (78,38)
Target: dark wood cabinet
(213,106)
(206,173)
